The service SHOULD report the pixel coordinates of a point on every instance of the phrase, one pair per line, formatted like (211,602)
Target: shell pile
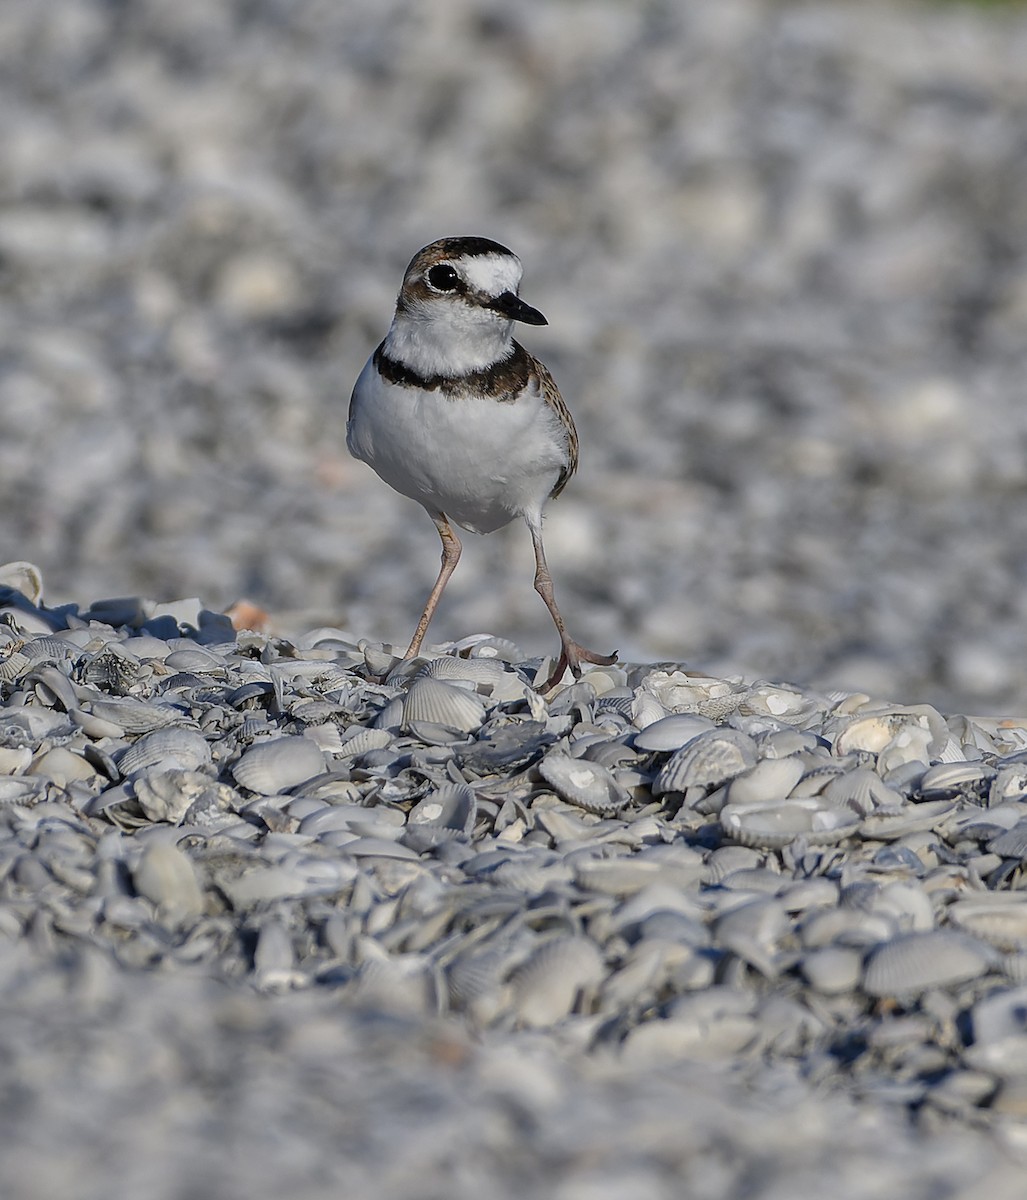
(650,863)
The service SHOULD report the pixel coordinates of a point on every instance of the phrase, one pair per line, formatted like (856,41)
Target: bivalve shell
(772,824)
(277,765)
(170,748)
(671,733)
(444,814)
(547,987)
(998,917)
(707,761)
(586,784)
(913,963)
(432,702)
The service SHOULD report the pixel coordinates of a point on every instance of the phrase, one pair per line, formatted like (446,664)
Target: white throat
(448,337)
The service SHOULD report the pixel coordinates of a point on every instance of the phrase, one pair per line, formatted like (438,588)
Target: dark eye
(443,278)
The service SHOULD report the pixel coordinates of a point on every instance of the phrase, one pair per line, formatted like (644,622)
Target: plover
(452,412)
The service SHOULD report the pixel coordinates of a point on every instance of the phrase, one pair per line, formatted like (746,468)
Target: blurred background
(782,248)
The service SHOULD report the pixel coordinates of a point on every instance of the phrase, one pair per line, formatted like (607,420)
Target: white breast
(479,461)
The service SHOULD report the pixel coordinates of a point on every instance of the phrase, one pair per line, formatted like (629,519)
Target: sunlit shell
(586,784)
(434,703)
(279,764)
(773,824)
(998,917)
(549,985)
(769,779)
(690,692)
(166,749)
(362,740)
(482,672)
(913,963)
(707,761)
(953,779)
(782,702)
(671,733)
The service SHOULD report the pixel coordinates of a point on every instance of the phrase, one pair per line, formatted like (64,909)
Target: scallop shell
(772,824)
(448,812)
(886,825)
(479,671)
(913,963)
(434,703)
(166,748)
(277,765)
(1012,843)
(362,740)
(769,779)
(946,780)
(673,732)
(998,917)
(707,761)
(589,785)
(548,986)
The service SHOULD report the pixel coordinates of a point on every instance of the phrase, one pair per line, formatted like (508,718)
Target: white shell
(769,779)
(167,749)
(998,917)
(166,877)
(707,761)
(446,813)
(914,963)
(774,824)
(587,784)
(279,764)
(432,702)
(547,987)
(690,692)
(671,733)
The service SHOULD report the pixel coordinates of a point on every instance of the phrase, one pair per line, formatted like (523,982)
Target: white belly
(481,462)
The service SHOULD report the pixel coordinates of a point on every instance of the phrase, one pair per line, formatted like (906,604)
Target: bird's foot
(571,657)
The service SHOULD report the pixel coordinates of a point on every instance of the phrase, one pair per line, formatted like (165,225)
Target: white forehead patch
(492,274)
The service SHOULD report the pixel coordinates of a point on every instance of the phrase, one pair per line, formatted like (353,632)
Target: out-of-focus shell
(547,986)
(774,824)
(1012,843)
(832,970)
(707,761)
(913,963)
(434,703)
(586,784)
(277,765)
(167,749)
(166,877)
(998,917)
(886,825)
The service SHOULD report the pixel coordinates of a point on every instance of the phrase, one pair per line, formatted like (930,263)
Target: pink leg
(450,557)
(571,654)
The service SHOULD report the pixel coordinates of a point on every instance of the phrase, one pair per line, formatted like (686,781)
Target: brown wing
(552,397)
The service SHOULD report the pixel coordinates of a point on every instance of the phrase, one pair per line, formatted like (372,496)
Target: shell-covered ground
(299,917)
(781,248)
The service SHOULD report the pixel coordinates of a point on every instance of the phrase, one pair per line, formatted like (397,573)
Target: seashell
(586,784)
(13,663)
(999,1024)
(554,979)
(298,878)
(481,672)
(362,740)
(131,715)
(769,779)
(173,795)
(771,824)
(434,703)
(947,780)
(998,917)
(783,702)
(24,578)
(862,790)
(884,825)
(448,812)
(1012,843)
(279,764)
(688,692)
(1010,783)
(671,733)
(707,761)
(913,963)
(166,749)
(832,970)
(166,877)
